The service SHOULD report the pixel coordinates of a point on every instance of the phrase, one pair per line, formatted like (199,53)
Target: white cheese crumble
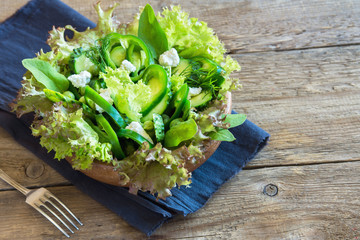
(126,65)
(169,58)
(194,91)
(136,127)
(198,24)
(105,93)
(81,79)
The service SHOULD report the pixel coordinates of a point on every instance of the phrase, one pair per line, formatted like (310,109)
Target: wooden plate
(105,173)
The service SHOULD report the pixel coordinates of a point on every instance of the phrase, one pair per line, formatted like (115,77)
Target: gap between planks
(237,51)
(255,167)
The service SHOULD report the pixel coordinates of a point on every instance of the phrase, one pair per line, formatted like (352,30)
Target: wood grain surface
(301,83)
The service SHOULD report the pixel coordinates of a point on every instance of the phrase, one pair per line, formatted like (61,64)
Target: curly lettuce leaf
(156,170)
(69,135)
(31,97)
(189,36)
(129,97)
(60,43)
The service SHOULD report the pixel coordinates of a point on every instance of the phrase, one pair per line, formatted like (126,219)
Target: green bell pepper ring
(186,109)
(132,45)
(179,132)
(177,103)
(114,114)
(103,138)
(155,76)
(127,133)
(115,144)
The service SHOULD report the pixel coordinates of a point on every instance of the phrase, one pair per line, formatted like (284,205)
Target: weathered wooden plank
(299,73)
(313,202)
(304,130)
(250,26)
(23,166)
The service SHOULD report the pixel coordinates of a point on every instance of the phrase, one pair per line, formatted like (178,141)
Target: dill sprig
(95,56)
(200,77)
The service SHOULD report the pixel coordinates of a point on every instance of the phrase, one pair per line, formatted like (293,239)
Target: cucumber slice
(79,63)
(159,109)
(118,55)
(155,77)
(184,67)
(201,99)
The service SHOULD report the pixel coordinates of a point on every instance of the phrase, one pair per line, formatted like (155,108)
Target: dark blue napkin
(24,34)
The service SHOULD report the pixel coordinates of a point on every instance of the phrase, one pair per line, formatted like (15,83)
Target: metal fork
(38,198)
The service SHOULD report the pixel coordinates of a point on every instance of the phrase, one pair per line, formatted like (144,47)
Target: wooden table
(301,82)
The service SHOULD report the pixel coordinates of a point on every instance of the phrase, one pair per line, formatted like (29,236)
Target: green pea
(69,94)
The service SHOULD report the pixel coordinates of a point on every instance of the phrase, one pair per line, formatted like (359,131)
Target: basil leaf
(46,74)
(235,119)
(222,135)
(151,32)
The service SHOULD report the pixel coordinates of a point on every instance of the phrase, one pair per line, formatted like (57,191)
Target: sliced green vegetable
(184,68)
(208,64)
(118,55)
(132,45)
(106,106)
(127,133)
(177,104)
(182,131)
(79,62)
(201,100)
(186,109)
(155,76)
(46,74)
(159,127)
(151,32)
(103,138)
(159,109)
(115,145)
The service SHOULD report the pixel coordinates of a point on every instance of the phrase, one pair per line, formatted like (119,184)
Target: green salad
(145,97)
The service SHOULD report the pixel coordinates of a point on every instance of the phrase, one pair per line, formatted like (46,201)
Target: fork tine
(54,214)
(49,194)
(50,219)
(60,211)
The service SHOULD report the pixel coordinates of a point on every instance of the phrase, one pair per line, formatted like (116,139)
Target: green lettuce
(156,170)
(189,36)
(66,132)
(31,98)
(86,39)
(129,97)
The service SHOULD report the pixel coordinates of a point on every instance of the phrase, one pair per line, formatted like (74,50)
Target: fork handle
(13,183)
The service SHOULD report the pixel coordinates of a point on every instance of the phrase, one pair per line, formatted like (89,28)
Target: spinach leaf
(46,74)
(235,119)
(222,135)
(151,32)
